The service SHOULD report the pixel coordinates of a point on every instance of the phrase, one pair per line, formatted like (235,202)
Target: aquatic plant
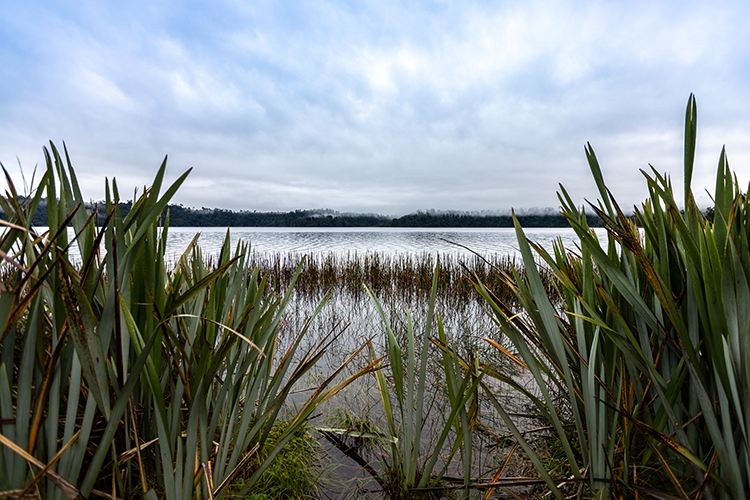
(393,277)
(119,376)
(409,466)
(648,355)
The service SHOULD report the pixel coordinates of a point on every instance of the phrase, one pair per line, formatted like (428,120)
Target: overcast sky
(383,106)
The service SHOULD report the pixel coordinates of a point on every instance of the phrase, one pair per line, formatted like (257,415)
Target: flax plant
(649,350)
(412,464)
(120,376)
(66,390)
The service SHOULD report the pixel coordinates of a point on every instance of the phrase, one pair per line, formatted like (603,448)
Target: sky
(387,107)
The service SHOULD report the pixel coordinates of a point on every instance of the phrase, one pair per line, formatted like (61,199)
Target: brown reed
(401,277)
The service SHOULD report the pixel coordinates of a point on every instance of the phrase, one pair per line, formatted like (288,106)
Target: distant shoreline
(419,220)
(180,216)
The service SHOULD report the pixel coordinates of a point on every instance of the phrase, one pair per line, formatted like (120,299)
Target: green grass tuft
(295,473)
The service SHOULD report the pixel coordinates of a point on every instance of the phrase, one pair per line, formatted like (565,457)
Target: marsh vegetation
(617,368)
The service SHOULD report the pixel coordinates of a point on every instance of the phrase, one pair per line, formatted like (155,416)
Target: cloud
(387,107)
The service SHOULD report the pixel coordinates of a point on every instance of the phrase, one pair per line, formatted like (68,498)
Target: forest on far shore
(180,216)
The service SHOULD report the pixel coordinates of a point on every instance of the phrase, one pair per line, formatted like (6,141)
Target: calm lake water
(343,241)
(363,240)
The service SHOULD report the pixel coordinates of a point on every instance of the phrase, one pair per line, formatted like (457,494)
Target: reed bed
(401,277)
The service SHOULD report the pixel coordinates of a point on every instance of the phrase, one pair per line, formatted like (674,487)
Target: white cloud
(102,90)
(380,107)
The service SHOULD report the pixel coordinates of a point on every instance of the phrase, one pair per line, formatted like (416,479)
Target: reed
(411,465)
(121,376)
(405,278)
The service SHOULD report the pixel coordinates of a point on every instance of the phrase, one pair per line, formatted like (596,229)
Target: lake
(485,241)
(343,241)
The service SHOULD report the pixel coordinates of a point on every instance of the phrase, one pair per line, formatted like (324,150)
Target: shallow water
(465,328)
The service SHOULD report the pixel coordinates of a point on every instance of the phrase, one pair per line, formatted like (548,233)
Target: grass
(295,473)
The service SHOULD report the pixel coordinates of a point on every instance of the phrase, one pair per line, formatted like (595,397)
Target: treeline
(180,216)
(458,219)
(183,216)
